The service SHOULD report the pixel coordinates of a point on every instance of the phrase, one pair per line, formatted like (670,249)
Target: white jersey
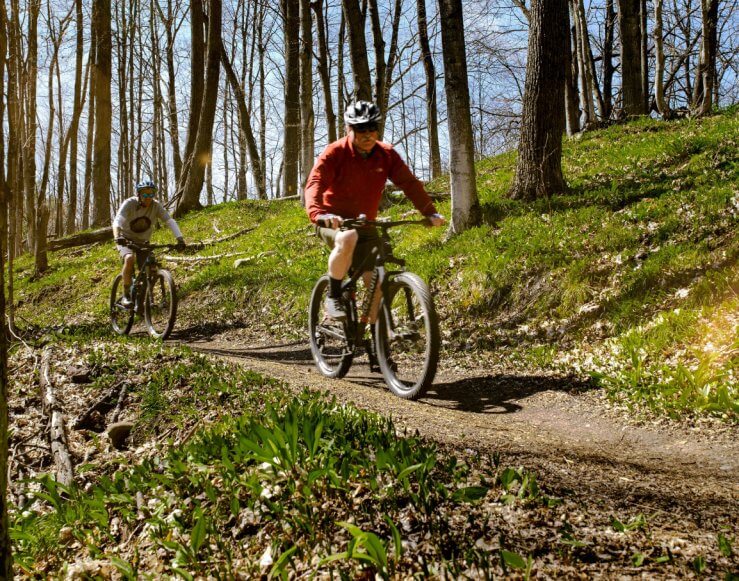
(136,222)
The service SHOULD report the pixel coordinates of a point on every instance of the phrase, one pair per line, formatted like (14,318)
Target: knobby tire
(408,361)
(332,352)
(121,318)
(160,307)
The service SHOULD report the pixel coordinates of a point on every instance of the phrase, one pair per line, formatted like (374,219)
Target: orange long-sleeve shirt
(344,183)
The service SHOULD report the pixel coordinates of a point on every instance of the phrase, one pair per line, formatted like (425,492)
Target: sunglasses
(147,194)
(365,128)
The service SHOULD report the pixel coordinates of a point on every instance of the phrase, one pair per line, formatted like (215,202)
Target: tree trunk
(323,70)
(659,65)
(245,125)
(644,37)
(586,88)
(88,146)
(572,109)
(262,187)
(78,99)
(174,131)
(190,196)
(431,106)
(6,556)
(340,82)
(29,147)
(378,42)
(392,59)
(539,165)
(358,49)
(307,146)
(291,148)
(608,59)
(101,76)
(465,204)
(632,89)
(197,76)
(706,77)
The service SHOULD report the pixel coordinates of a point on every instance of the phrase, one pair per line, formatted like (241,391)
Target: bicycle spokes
(330,342)
(161,305)
(408,336)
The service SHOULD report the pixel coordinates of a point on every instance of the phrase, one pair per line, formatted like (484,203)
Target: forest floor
(682,476)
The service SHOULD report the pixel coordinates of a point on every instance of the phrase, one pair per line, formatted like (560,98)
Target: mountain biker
(347,181)
(134,222)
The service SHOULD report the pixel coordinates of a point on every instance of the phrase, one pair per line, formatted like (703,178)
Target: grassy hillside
(630,278)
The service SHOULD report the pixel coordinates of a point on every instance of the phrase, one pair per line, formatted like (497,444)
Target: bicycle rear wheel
(407,334)
(160,307)
(121,318)
(329,341)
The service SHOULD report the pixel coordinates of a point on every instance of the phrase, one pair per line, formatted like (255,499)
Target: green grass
(649,226)
(316,484)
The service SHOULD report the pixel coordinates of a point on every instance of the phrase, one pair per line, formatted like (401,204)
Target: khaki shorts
(368,239)
(126,251)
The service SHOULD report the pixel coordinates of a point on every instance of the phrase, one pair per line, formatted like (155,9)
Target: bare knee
(346,241)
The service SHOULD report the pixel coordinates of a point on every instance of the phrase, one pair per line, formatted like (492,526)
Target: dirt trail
(532,416)
(684,480)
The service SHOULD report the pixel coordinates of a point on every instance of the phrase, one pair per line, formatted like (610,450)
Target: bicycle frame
(148,269)
(380,276)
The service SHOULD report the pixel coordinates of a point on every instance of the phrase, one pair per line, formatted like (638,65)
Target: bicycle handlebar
(349,223)
(137,246)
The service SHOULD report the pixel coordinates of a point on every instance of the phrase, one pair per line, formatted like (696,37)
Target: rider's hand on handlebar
(436,220)
(329,221)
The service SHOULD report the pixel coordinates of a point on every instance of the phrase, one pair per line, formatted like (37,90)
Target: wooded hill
(629,282)
(629,279)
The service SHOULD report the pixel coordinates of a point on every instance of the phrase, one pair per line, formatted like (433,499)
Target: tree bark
(78,100)
(358,49)
(706,76)
(431,105)
(610,22)
(291,149)
(307,141)
(6,556)
(659,65)
(539,165)
(572,109)
(101,148)
(465,203)
(190,193)
(323,70)
(632,89)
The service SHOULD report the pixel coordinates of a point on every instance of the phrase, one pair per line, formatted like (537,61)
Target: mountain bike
(407,326)
(153,295)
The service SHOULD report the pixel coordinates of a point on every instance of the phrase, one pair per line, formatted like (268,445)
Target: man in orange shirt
(346,181)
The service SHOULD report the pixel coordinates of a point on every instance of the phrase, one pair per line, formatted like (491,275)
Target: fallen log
(81,239)
(119,406)
(215,257)
(57,434)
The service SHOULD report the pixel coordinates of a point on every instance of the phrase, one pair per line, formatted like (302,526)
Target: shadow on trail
(498,394)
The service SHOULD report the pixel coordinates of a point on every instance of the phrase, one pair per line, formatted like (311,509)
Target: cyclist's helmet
(362,112)
(147,186)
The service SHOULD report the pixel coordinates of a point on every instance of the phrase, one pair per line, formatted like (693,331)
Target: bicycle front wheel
(160,307)
(121,317)
(407,334)
(329,341)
